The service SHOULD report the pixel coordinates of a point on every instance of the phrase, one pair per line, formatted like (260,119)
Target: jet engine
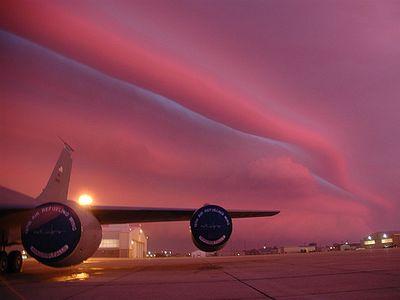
(211,227)
(61,234)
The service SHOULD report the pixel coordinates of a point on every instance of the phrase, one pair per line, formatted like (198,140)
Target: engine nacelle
(211,227)
(61,234)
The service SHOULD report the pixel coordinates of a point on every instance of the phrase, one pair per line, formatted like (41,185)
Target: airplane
(59,233)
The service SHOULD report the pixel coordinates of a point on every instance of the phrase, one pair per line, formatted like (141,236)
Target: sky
(268,105)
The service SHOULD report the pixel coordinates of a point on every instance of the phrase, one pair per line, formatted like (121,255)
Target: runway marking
(243,282)
(249,285)
(12,290)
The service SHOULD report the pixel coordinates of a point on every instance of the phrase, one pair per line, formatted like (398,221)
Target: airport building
(385,239)
(298,249)
(199,253)
(122,240)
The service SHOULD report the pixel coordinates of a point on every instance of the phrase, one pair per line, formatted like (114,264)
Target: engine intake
(211,227)
(60,235)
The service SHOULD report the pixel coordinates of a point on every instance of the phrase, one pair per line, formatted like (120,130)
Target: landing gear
(11,263)
(14,262)
(3,262)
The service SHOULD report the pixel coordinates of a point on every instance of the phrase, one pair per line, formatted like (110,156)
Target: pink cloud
(299,116)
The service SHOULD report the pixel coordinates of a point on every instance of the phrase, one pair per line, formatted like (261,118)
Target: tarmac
(364,274)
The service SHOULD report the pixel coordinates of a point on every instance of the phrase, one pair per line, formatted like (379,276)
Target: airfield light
(85,199)
(369,237)
(384,236)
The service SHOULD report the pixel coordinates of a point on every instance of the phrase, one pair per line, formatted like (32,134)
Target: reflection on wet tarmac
(96,269)
(98,273)
(73,277)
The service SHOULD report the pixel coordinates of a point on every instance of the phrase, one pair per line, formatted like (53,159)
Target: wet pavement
(364,274)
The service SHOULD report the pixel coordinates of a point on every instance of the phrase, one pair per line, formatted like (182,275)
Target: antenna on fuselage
(67,146)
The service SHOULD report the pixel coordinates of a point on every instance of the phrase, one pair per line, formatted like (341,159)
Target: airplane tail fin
(57,187)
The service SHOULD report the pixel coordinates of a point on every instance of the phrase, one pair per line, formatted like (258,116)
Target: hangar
(298,249)
(122,240)
(382,239)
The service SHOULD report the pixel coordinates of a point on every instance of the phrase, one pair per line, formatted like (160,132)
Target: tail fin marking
(57,187)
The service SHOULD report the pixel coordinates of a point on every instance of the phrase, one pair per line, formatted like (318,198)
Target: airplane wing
(14,206)
(121,215)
